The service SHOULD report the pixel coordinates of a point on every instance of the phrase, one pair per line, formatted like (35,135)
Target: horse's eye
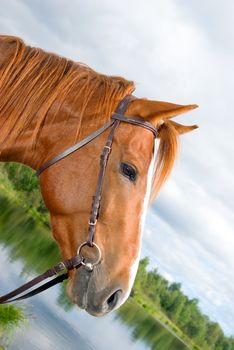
(129,171)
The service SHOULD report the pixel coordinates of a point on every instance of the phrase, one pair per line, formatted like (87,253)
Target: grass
(10,316)
(11,320)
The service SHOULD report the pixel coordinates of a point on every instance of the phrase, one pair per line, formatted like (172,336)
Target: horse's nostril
(113,299)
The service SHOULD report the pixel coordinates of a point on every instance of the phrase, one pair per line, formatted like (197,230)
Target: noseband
(78,260)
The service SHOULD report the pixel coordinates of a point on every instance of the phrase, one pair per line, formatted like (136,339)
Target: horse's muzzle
(94,292)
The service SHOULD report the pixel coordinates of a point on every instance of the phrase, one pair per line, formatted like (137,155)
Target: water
(52,322)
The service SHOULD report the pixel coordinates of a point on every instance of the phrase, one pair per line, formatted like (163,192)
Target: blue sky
(178,51)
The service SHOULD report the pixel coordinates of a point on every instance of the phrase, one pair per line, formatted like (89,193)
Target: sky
(179,51)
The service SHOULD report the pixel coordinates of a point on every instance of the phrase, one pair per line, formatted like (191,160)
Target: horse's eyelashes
(129,171)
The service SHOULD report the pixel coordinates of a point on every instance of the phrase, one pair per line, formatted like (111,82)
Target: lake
(53,323)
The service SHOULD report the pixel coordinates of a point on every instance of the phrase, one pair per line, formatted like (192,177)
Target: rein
(61,269)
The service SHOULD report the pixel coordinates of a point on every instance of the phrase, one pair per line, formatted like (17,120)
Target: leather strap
(103,162)
(75,147)
(97,198)
(65,265)
(45,286)
(135,121)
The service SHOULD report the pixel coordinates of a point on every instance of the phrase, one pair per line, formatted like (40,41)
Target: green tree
(212,334)
(174,311)
(141,277)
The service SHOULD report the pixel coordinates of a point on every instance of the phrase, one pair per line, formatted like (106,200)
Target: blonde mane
(31,80)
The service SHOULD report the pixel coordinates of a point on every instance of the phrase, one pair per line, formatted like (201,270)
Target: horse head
(137,166)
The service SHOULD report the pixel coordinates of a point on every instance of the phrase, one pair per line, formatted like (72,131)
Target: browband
(136,121)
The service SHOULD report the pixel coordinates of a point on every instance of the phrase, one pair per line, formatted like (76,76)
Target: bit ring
(89,265)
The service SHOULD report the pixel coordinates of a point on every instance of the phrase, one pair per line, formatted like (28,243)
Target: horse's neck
(52,139)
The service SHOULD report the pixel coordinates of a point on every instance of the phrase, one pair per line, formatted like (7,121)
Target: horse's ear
(156,112)
(182,129)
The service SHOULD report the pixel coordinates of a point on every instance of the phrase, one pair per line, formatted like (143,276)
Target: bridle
(60,270)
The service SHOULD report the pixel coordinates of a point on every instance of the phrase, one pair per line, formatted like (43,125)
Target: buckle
(92,223)
(60,268)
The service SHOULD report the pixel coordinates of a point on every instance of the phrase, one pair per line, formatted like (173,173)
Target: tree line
(181,310)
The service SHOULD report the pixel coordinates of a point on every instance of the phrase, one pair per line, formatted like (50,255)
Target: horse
(47,104)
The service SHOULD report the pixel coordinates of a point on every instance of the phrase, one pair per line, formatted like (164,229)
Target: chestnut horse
(48,103)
